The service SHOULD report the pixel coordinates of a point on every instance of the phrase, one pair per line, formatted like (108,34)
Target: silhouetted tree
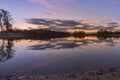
(5,19)
(1,20)
(103,34)
(79,33)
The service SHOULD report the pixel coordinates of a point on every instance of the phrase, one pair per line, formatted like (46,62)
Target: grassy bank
(34,34)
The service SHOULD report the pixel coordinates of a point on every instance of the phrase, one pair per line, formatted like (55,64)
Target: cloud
(54,24)
(51,14)
(46,3)
(51,3)
(58,24)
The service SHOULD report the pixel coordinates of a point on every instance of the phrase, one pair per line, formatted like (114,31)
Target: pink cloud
(46,3)
(52,3)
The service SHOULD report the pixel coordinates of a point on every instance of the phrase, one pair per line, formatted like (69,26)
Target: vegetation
(108,33)
(45,33)
(104,34)
(39,33)
(79,33)
(5,20)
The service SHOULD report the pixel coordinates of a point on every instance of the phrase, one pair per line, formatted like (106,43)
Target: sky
(89,11)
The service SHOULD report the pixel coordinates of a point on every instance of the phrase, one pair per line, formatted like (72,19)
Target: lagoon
(58,55)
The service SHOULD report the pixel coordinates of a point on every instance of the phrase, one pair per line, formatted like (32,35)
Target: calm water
(61,55)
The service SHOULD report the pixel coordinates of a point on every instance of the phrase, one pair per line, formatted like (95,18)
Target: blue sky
(92,10)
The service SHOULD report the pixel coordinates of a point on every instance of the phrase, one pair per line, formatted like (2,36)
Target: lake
(58,56)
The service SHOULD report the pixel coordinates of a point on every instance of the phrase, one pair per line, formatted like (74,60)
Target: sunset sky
(91,11)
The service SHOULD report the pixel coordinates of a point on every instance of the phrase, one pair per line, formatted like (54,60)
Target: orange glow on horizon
(86,31)
(84,38)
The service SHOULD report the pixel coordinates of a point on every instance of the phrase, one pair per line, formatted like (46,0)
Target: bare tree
(1,20)
(7,19)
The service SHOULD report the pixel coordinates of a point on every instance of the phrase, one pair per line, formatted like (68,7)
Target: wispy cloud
(51,14)
(46,3)
(52,3)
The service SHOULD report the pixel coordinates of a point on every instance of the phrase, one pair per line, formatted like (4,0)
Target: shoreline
(12,35)
(103,74)
(22,35)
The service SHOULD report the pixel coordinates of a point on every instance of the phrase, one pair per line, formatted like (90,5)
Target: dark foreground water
(61,55)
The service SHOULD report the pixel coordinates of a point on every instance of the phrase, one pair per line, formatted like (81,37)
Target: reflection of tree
(6,51)
(107,37)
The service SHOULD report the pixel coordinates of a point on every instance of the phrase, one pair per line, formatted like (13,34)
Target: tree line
(108,33)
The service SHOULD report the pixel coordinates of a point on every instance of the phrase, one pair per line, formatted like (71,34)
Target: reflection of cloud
(45,64)
(55,46)
(57,24)
(64,43)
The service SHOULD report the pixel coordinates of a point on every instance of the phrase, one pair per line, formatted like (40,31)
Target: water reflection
(6,50)
(60,55)
(73,42)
